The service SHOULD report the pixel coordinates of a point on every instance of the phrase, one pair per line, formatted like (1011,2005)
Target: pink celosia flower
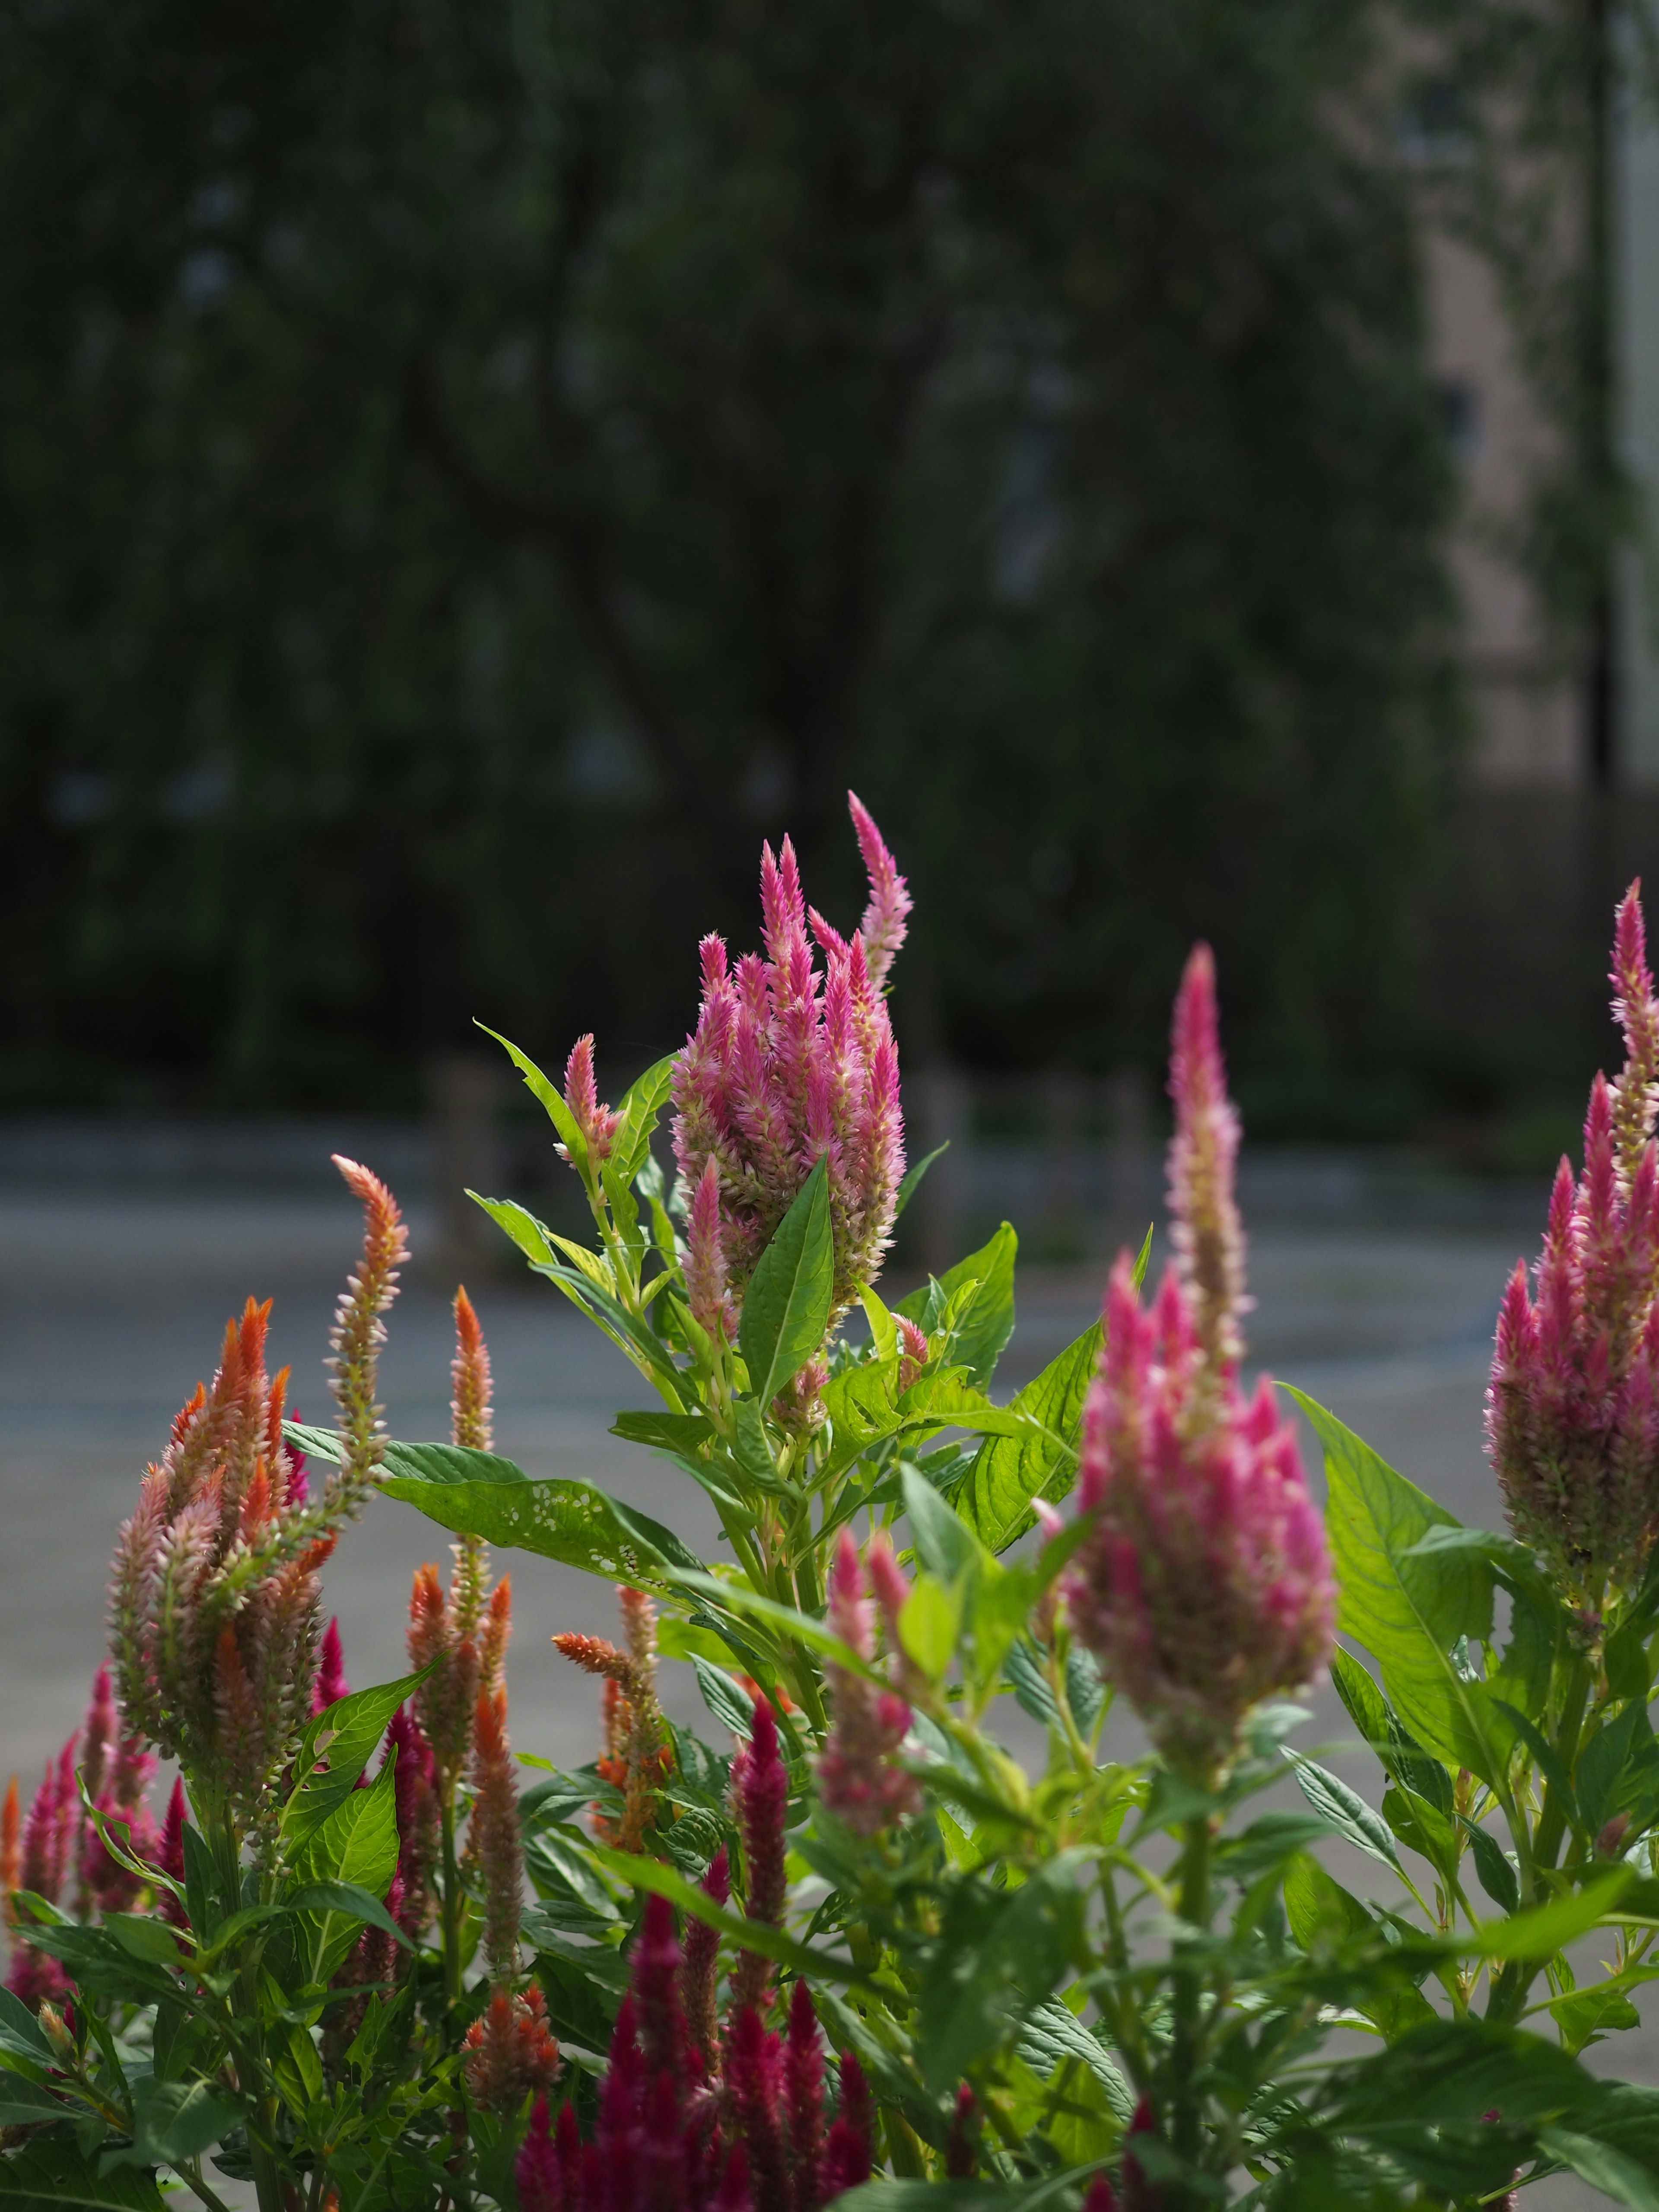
(803,2085)
(787,1068)
(857,1777)
(494,1834)
(332,1684)
(760,1795)
(1572,1412)
(170,1856)
(849,2153)
(705,1291)
(1203,1585)
(415,1790)
(469,1379)
(511,2050)
(597,1123)
(1204,1227)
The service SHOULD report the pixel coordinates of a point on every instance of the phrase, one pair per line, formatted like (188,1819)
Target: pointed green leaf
(1408,1612)
(1009,1472)
(786,1308)
(53,2171)
(907,1189)
(637,1115)
(985,1327)
(551,1098)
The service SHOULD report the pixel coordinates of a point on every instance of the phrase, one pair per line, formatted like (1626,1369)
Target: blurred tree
(468,470)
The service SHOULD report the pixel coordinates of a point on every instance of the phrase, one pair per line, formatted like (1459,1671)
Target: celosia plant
(360,1965)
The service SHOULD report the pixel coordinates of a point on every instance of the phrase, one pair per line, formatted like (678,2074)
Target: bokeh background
(469,472)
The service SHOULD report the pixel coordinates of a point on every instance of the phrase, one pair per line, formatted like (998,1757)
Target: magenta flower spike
(857,1776)
(850,2153)
(699,1970)
(1205,1226)
(331,1683)
(705,1292)
(597,1123)
(1572,1410)
(803,2080)
(789,1065)
(1203,1585)
(760,1786)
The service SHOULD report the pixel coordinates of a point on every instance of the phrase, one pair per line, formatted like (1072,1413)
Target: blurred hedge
(468,471)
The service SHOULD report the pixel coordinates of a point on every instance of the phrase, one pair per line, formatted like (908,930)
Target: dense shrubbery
(854,1945)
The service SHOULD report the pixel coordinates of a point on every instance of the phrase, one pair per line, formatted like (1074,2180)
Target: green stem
(267,2181)
(1187,2129)
(1553,1819)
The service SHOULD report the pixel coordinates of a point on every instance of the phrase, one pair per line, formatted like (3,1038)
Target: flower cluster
(672,2133)
(214,1598)
(858,1779)
(788,1066)
(1203,1583)
(55,1852)
(1572,1412)
(637,1754)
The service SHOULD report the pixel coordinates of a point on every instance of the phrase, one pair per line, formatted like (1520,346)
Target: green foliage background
(467,471)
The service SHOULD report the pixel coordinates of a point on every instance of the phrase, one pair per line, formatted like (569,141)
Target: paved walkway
(112,1307)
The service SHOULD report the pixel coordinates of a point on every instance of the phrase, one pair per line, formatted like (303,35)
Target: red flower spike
(416,1796)
(331,1683)
(754,2082)
(469,1380)
(494,1834)
(11,1844)
(850,2153)
(962,2144)
(1101,2197)
(170,1858)
(761,1787)
(698,1973)
(597,1123)
(536,2169)
(656,1986)
(733,2193)
(803,2079)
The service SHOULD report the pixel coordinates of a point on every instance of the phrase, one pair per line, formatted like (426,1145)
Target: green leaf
(1009,1472)
(549,1098)
(786,1308)
(1603,2167)
(907,1189)
(54,2172)
(560,1518)
(803,1958)
(353,1851)
(1582,2017)
(725,1698)
(637,1115)
(1618,1768)
(20,2032)
(678,1433)
(25,2104)
(1409,1612)
(1053,2033)
(530,1235)
(1347,1811)
(1492,1869)
(983,1331)
(353,1901)
(944,1545)
(174,2121)
(1000,1955)
(928,1625)
(346,1732)
(1544,1930)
